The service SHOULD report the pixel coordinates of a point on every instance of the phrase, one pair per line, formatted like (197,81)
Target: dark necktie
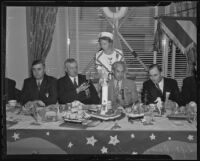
(38,85)
(117,87)
(75,84)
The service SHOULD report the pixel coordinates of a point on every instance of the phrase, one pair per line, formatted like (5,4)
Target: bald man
(121,91)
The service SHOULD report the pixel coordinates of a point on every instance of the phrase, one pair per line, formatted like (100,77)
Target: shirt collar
(72,78)
(39,80)
(115,82)
(161,82)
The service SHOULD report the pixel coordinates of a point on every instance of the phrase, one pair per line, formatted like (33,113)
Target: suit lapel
(34,83)
(34,92)
(35,86)
(43,84)
(158,92)
(80,80)
(166,87)
(124,88)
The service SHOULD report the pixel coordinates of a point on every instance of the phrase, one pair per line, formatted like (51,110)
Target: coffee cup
(109,105)
(12,102)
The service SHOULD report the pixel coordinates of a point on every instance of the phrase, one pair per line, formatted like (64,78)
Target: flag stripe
(178,31)
(193,21)
(173,37)
(189,28)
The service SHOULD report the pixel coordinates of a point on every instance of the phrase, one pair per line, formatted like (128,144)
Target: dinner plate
(10,123)
(177,117)
(74,120)
(105,117)
(135,116)
(93,110)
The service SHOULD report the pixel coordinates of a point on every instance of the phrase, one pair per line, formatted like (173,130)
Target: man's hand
(182,109)
(119,97)
(128,109)
(81,88)
(122,102)
(28,104)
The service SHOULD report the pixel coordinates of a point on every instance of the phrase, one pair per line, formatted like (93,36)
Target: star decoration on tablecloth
(169,138)
(152,136)
(16,136)
(47,133)
(190,137)
(91,140)
(104,150)
(113,140)
(70,145)
(134,153)
(132,136)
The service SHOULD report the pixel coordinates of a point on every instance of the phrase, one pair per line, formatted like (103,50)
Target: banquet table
(169,137)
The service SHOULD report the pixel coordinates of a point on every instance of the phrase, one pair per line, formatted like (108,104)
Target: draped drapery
(40,28)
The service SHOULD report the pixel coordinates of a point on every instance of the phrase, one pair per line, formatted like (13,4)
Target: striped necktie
(75,84)
(117,87)
(38,84)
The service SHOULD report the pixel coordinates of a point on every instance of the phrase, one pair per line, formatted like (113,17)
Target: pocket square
(47,94)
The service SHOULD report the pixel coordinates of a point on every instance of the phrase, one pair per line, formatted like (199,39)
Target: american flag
(181,30)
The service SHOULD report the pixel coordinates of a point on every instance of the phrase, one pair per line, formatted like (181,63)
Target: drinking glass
(148,117)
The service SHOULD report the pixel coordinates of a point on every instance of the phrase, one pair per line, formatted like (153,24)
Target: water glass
(148,117)
(109,105)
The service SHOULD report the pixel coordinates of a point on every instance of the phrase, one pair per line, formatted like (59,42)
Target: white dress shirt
(120,84)
(161,84)
(72,79)
(39,81)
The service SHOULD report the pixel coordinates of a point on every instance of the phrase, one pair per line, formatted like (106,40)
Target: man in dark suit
(40,87)
(73,86)
(157,86)
(189,89)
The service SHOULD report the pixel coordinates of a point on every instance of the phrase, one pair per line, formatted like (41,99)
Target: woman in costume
(107,54)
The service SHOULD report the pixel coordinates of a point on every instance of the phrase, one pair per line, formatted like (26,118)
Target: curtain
(40,28)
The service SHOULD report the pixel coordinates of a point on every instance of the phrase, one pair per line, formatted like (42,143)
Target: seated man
(121,91)
(40,87)
(157,86)
(73,86)
(189,89)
